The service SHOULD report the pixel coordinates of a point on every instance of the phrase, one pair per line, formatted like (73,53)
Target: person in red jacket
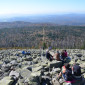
(65,53)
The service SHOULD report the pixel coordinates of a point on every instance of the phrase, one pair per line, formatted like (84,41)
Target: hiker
(63,54)
(66,74)
(64,58)
(49,56)
(57,56)
(76,71)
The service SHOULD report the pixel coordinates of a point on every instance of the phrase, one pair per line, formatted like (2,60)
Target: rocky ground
(34,69)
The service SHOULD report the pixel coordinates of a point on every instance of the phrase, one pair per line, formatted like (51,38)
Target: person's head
(67,65)
(65,50)
(63,53)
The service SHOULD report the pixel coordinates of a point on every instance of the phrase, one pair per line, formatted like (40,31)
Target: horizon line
(17,15)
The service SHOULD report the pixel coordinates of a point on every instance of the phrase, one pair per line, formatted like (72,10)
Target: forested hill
(21,24)
(31,35)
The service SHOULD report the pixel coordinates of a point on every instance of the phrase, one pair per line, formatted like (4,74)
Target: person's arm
(63,69)
(60,74)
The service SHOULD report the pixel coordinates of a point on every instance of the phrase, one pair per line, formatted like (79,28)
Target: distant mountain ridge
(65,19)
(22,24)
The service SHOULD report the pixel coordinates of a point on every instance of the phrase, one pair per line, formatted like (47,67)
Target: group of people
(69,74)
(58,56)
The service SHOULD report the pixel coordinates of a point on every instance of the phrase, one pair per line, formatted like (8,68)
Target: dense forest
(38,35)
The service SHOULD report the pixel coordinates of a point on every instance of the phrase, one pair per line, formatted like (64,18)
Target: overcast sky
(23,7)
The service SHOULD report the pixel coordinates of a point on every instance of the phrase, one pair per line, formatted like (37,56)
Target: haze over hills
(59,19)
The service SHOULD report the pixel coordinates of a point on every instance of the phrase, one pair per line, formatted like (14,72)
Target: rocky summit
(17,68)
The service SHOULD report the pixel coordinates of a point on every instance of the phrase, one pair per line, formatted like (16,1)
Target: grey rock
(14,63)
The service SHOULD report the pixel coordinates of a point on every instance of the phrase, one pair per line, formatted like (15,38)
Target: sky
(32,7)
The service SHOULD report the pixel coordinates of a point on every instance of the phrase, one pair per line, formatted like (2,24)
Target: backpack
(76,70)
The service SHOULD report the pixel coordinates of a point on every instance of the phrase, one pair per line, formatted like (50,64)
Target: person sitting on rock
(76,71)
(66,74)
(63,54)
(48,55)
(64,58)
(57,56)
